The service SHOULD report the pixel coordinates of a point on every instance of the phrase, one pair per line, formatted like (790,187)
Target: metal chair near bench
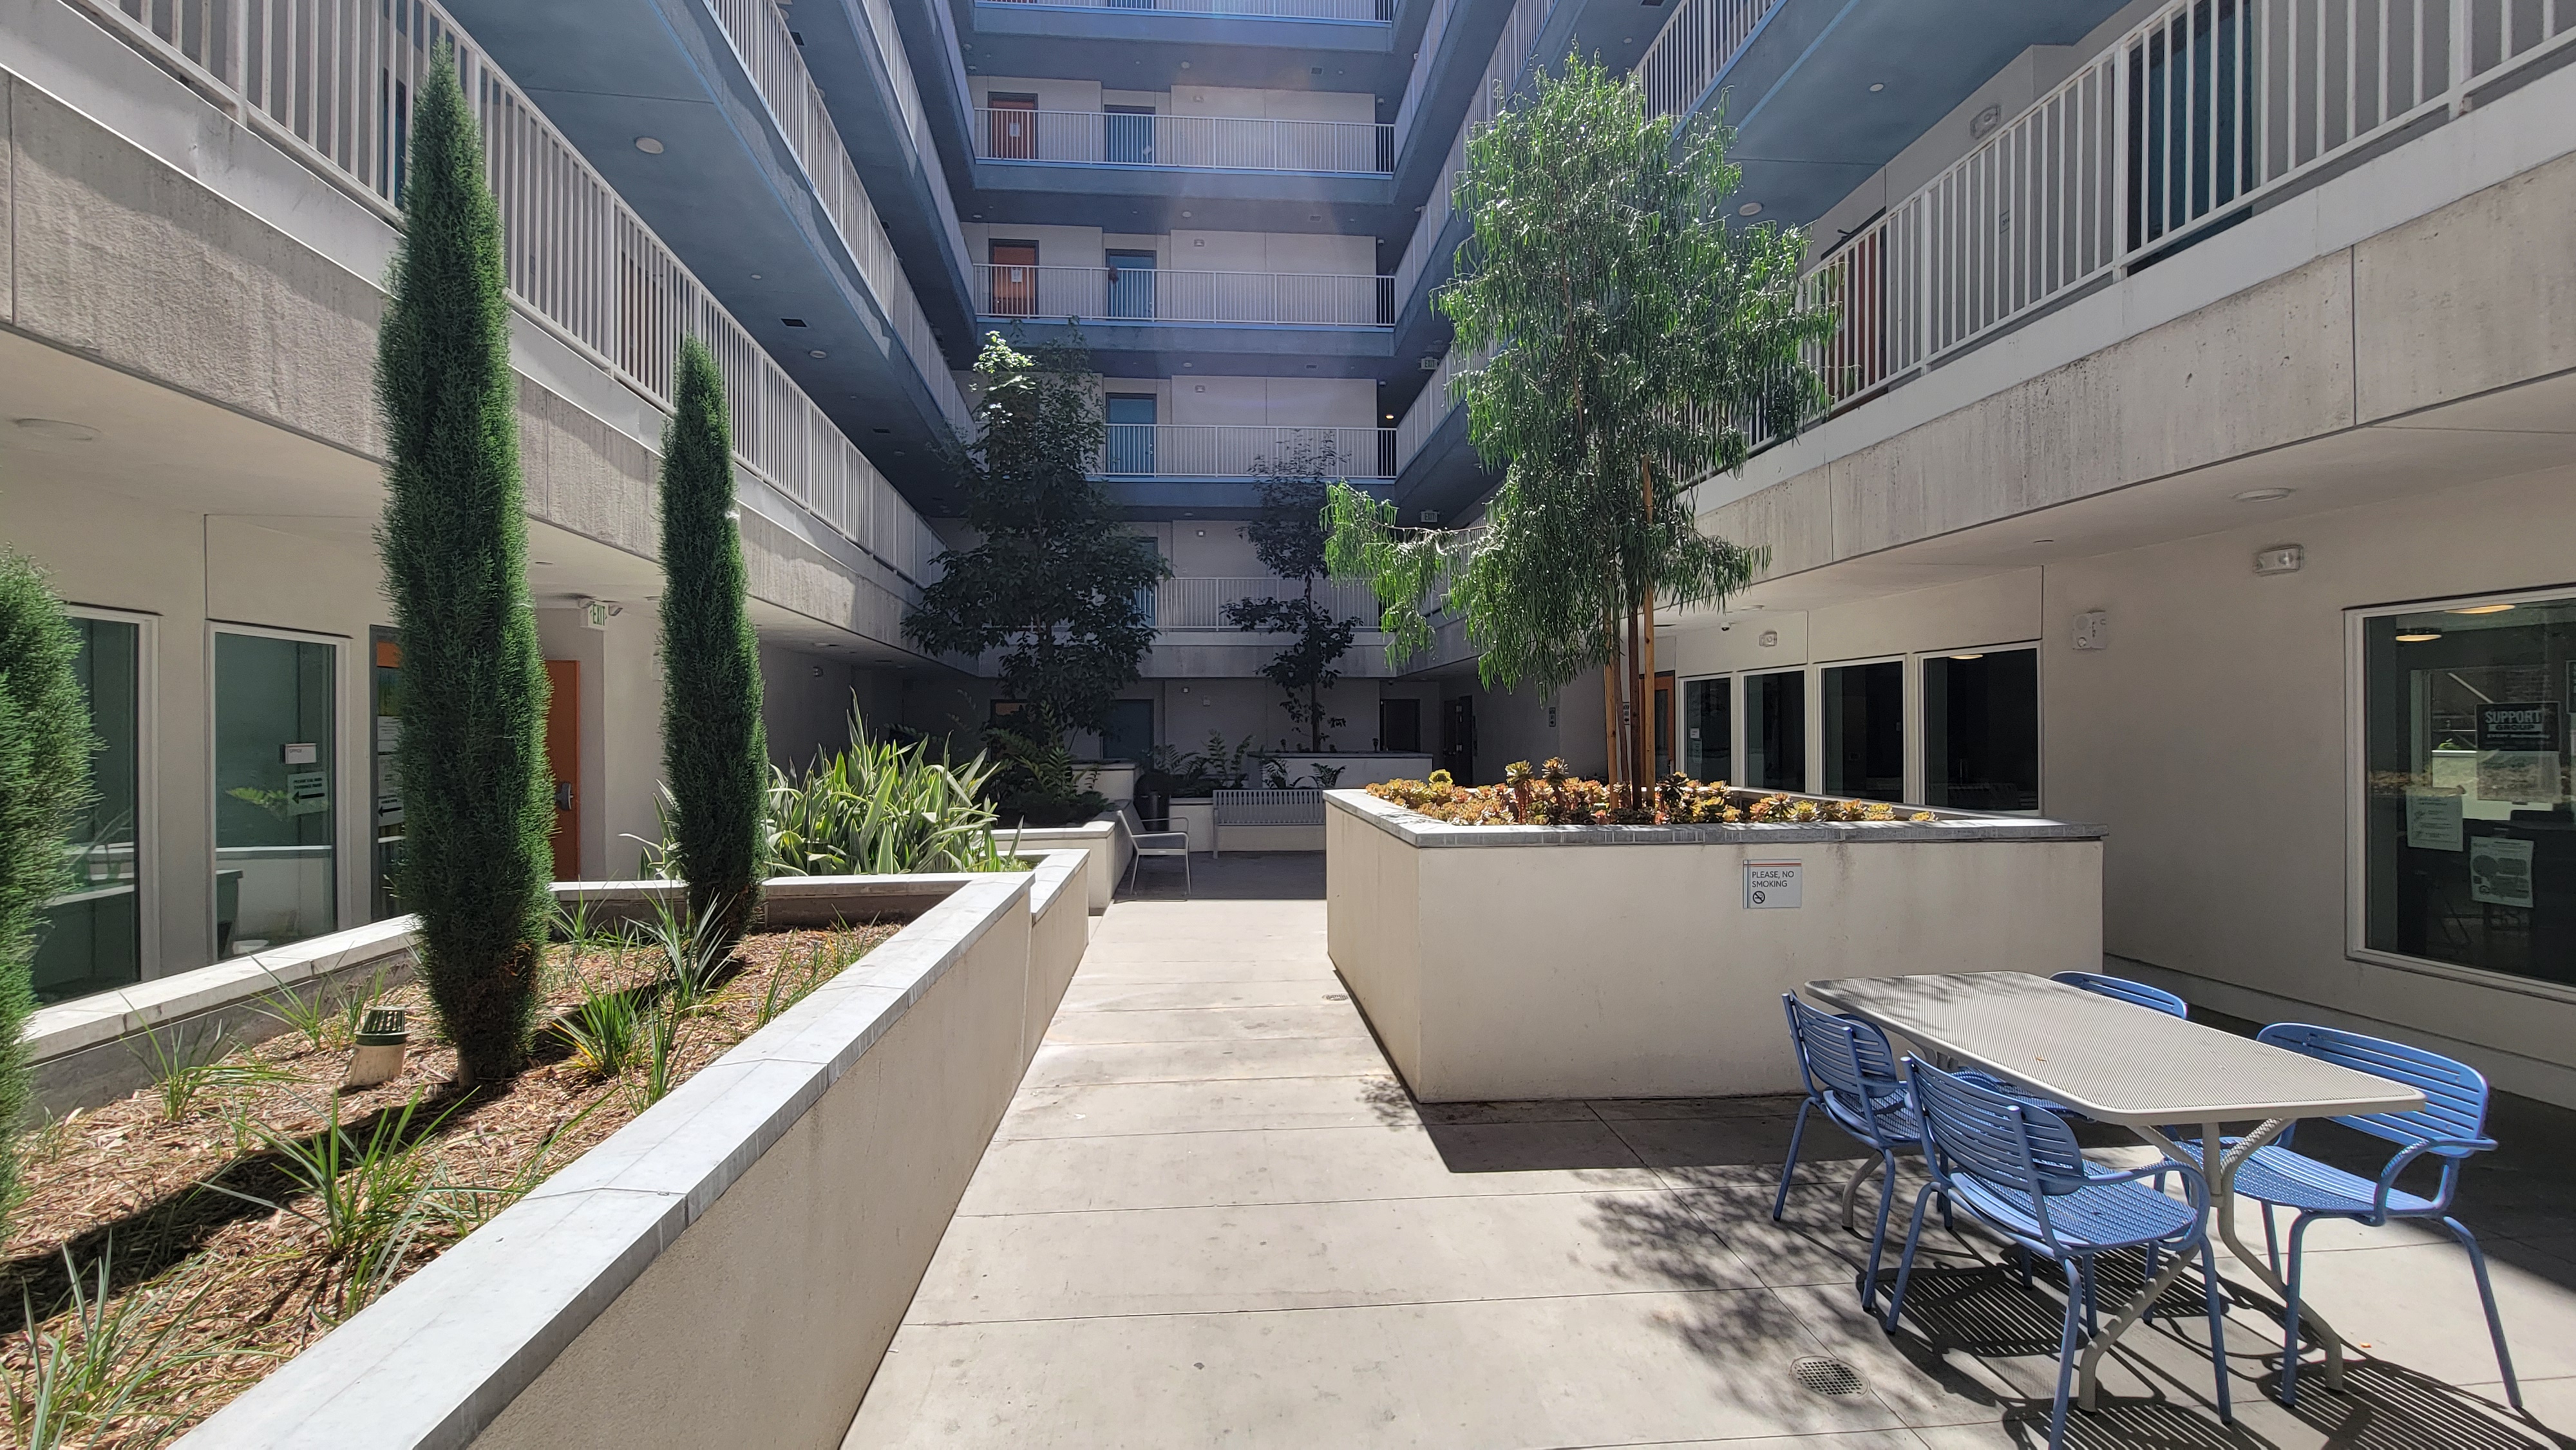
(1153,843)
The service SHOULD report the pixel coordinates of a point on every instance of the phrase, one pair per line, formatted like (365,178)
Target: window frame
(1909,725)
(147,782)
(1919,766)
(2356,797)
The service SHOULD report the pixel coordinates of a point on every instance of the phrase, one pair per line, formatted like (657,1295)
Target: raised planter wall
(1514,962)
(728,1268)
(1100,836)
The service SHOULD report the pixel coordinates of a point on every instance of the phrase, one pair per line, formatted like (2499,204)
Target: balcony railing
(1146,294)
(1693,47)
(1228,450)
(1381,11)
(2184,124)
(1511,61)
(331,82)
(1431,407)
(1216,143)
(1199,603)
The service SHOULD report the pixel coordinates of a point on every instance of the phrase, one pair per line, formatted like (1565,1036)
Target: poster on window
(2518,753)
(2433,821)
(2500,871)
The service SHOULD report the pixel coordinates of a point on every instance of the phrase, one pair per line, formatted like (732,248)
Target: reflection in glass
(1775,731)
(91,936)
(1981,730)
(1864,720)
(1708,730)
(274,791)
(2469,845)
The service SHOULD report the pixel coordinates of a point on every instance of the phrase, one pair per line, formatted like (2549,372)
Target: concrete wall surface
(779,1207)
(1511,962)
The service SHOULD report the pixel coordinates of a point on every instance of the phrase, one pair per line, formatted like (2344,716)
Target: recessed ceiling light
(1876,86)
(881,430)
(57,428)
(650,146)
(1978,656)
(2483,609)
(2043,541)
(1750,208)
(2262,495)
(816,352)
(2419,636)
(793,321)
(543,563)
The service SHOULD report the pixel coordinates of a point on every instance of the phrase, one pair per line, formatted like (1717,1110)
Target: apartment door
(1127,134)
(1458,739)
(563,758)
(1011,127)
(1399,726)
(1131,284)
(1131,432)
(1015,278)
(1130,735)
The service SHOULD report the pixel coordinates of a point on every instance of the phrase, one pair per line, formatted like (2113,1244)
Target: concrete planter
(1196,815)
(1357,768)
(1114,779)
(728,1268)
(1582,962)
(1108,846)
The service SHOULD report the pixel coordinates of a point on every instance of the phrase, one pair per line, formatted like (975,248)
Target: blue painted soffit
(728,197)
(1212,349)
(1149,50)
(1808,127)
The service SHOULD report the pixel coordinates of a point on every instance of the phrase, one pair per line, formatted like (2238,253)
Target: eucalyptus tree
(1638,339)
(477,797)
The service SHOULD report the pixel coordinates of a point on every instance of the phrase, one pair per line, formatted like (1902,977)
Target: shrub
(44,779)
(879,807)
(1551,795)
(476,794)
(714,751)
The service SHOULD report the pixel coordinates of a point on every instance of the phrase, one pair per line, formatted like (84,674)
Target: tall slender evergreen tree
(44,780)
(476,791)
(715,753)
(1637,334)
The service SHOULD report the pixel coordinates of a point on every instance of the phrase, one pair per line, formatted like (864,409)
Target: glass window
(2469,850)
(1708,730)
(387,689)
(91,937)
(1981,730)
(1775,731)
(275,876)
(1864,721)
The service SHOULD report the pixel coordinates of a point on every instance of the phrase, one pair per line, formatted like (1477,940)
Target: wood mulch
(208,1290)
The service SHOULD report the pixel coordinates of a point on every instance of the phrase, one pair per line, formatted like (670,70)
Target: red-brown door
(1013,123)
(1015,278)
(563,757)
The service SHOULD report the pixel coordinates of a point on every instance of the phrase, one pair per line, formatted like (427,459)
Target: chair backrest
(1843,1056)
(2004,1144)
(2137,994)
(2455,1094)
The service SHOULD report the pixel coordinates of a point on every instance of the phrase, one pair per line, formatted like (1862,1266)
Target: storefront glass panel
(1864,723)
(1775,731)
(275,866)
(1708,730)
(91,937)
(1981,730)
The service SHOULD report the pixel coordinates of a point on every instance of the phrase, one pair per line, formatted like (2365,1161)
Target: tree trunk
(1638,763)
(1610,669)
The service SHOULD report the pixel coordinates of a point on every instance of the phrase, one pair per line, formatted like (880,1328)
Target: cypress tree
(715,753)
(44,779)
(476,792)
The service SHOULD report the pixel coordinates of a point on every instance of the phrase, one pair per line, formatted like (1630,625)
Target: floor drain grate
(1337,996)
(1828,1376)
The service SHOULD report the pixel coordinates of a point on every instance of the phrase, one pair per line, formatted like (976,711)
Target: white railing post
(2463,36)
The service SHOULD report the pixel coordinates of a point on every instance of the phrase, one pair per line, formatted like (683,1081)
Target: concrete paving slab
(1056,1066)
(1207,1024)
(1285,991)
(1212,1106)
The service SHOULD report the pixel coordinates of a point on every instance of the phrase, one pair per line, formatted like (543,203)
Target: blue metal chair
(2137,994)
(2450,1126)
(2017,1171)
(1852,1079)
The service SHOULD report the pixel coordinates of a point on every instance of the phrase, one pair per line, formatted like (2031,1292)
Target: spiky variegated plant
(1636,337)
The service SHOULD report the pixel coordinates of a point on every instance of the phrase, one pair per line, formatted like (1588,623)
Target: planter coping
(1418,830)
(438,1358)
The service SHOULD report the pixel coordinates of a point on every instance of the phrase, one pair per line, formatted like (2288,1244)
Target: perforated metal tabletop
(2110,1060)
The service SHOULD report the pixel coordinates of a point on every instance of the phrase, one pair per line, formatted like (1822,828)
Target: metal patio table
(2128,1065)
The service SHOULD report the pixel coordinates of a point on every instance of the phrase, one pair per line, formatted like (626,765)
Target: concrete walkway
(1212,1216)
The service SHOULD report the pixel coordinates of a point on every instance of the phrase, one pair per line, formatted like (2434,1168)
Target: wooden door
(1015,278)
(563,757)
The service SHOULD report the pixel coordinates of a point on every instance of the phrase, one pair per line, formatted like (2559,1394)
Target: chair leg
(1878,1238)
(1851,1191)
(1797,1135)
(2486,1295)
(1188,887)
(2066,1355)
(2092,1300)
(2272,1240)
(1905,1261)
(2290,1316)
(2217,1327)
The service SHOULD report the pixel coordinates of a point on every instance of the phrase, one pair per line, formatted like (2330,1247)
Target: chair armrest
(2195,1184)
(1159,840)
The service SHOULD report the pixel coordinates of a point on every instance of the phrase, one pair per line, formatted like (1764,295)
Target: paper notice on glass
(307,792)
(2433,820)
(2521,776)
(2500,871)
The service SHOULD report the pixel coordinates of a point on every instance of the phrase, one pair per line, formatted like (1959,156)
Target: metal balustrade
(1230,450)
(1219,143)
(331,82)
(2184,124)
(1198,603)
(1425,56)
(767,51)
(1382,11)
(1434,404)
(1693,47)
(1148,294)
(1512,59)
